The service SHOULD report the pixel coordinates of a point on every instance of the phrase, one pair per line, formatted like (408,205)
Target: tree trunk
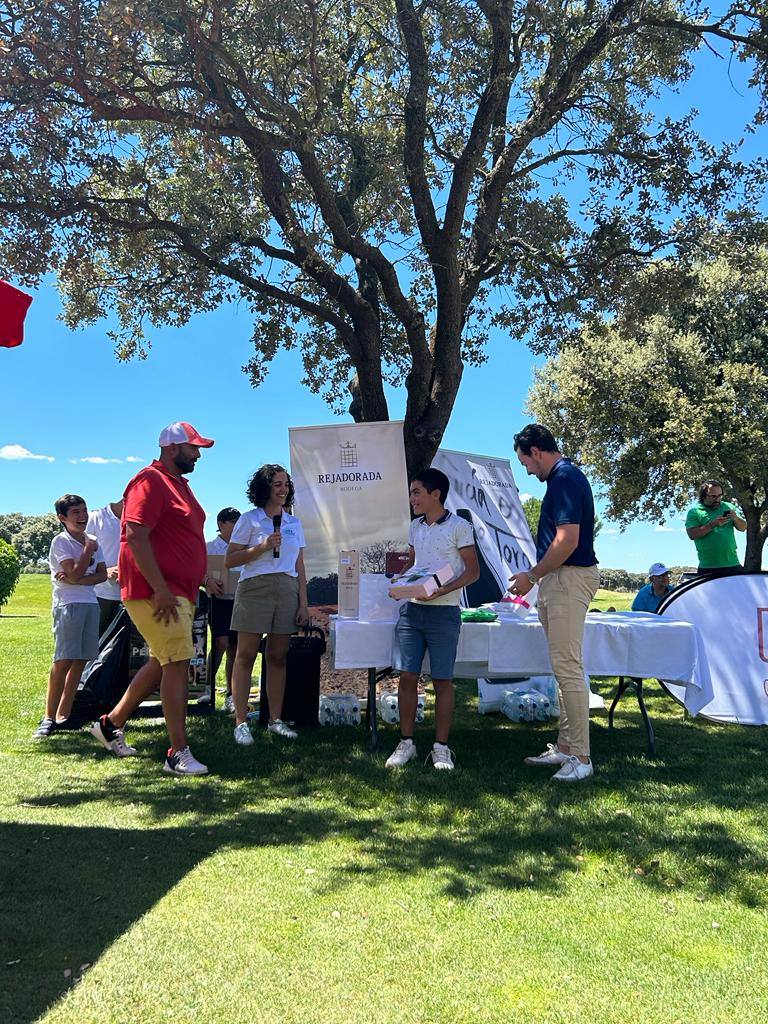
(427,415)
(756,535)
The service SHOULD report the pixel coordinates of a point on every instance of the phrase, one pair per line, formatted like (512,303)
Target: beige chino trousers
(564,597)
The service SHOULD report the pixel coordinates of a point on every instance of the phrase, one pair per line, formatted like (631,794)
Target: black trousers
(107,611)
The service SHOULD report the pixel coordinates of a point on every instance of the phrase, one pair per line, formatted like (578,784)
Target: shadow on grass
(680,820)
(69,893)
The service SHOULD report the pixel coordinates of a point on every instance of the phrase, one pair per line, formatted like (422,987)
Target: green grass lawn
(306,884)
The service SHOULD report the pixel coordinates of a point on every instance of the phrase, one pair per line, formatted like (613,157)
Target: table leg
(370,711)
(646,719)
(623,685)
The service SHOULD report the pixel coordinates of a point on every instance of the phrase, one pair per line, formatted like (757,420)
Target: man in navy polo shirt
(568,578)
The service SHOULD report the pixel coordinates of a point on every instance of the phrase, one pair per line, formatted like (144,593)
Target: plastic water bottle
(542,710)
(326,711)
(527,707)
(421,705)
(388,708)
(348,707)
(523,705)
(510,705)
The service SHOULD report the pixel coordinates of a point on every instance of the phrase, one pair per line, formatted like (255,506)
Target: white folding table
(629,645)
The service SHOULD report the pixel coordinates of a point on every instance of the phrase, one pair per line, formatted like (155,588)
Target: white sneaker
(184,762)
(279,728)
(229,704)
(111,738)
(442,757)
(243,735)
(552,755)
(404,752)
(574,770)
(205,697)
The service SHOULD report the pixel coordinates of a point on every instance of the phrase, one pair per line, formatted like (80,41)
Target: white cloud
(524,496)
(15,451)
(609,531)
(96,460)
(133,458)
(664,529)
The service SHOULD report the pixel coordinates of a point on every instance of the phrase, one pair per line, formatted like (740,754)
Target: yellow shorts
(171,641)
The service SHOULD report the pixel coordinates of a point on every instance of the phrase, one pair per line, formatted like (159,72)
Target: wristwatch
(534,579)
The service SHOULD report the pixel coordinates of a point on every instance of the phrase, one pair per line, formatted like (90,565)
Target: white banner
(351,490)
(483,489)
(732,615)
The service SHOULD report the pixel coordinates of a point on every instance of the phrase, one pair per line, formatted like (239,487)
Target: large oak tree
(363,175)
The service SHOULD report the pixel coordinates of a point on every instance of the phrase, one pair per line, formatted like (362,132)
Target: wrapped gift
(420,581)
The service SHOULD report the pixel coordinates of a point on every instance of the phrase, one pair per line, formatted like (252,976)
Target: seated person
(649,597)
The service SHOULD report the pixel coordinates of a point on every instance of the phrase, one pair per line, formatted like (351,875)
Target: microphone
(276,520)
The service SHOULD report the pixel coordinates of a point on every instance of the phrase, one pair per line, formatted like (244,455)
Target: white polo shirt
(64,546)
(254,527)
(104,525)
(438,545)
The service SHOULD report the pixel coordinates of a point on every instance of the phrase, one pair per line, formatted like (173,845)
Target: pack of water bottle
(389,710)
(526,706)
(339,709)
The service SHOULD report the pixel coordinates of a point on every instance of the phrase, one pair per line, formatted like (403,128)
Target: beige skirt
(266,604)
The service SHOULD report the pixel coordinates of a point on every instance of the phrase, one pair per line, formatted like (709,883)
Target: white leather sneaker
(279,728)
(404,752)
(574,770)
(552,755)
(442,757)
(243,735)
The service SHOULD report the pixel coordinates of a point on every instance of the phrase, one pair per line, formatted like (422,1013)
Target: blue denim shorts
(424,627)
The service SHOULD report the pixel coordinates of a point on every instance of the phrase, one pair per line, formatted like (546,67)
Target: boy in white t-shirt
(437,537)
(77,565)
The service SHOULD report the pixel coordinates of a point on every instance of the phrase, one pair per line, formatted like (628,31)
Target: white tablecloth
(615,644)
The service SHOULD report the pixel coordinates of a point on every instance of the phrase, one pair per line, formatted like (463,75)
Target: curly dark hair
(260,485)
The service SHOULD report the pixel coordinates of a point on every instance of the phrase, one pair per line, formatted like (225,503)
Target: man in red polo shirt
(162,564)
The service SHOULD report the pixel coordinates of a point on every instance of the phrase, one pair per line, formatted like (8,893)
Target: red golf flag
(13,308)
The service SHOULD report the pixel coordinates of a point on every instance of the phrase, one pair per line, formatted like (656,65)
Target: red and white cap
(183,433)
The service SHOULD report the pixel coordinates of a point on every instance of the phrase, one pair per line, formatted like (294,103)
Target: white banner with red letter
(732,615)
(351,490)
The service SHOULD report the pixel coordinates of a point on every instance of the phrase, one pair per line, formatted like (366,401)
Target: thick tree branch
(416,122)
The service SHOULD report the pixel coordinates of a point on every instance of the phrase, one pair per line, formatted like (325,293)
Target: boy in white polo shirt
(77,565)
(432,624)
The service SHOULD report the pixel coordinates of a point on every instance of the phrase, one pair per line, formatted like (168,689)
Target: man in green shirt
(711,525)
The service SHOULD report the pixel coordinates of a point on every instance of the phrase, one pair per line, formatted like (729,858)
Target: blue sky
(87,422)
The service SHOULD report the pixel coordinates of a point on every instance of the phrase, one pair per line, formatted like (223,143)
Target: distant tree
(374,557)
(10,524)
(621,579)
(31,536)
(10,568)
(323,589)
(674,390)
(532,509)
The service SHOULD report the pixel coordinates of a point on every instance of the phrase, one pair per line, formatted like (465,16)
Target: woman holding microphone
(271,596)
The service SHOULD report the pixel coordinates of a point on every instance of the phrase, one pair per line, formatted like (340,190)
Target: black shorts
(220,618)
